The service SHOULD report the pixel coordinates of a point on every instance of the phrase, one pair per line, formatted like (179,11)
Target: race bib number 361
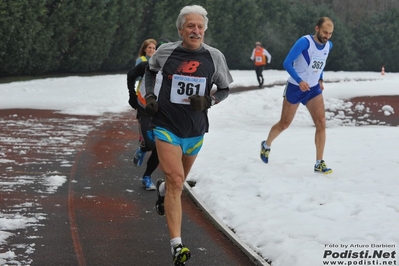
(185,86)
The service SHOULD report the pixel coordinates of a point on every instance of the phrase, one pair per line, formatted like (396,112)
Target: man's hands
(304,86)
(200,103)
(151,106)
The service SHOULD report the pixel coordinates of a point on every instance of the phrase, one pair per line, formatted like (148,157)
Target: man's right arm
(268,55)
(300,45)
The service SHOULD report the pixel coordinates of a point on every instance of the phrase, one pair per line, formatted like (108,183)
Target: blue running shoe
(181,254)
(264,152)
(322,168)
(147,183)
(138,157)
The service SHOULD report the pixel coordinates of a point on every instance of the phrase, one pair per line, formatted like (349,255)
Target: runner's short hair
(193,9)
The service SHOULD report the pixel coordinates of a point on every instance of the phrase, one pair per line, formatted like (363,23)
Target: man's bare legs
(317,111)
(176,167)
(287,115)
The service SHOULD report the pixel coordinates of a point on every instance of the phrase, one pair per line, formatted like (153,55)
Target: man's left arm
(321,79)
(222,79)
(321,83)
(219,95)
(268,55)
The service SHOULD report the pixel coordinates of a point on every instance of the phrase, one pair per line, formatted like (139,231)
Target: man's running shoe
(147,183)
(159,205)
(181,254)
(264,152)
(322,168)
(138,157)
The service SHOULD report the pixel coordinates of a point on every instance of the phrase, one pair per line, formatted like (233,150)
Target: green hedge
(85,36)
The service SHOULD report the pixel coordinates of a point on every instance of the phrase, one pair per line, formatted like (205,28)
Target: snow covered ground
(282,210)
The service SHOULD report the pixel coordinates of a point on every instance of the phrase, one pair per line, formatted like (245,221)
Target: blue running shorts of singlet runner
(294,95)
(189,146)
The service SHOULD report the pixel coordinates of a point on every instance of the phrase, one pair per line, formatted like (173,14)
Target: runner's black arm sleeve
(133,74)
(220,95)
(149,80)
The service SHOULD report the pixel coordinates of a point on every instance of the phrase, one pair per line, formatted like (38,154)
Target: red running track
(72,180)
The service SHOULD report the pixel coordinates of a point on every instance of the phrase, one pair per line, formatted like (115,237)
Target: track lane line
(72,218)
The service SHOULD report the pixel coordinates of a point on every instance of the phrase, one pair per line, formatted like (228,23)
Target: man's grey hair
(194,9)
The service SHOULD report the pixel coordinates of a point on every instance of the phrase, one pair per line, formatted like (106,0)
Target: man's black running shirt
(186,73)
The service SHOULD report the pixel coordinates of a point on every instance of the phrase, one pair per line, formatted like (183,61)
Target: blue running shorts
(294,94)
(189,146)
